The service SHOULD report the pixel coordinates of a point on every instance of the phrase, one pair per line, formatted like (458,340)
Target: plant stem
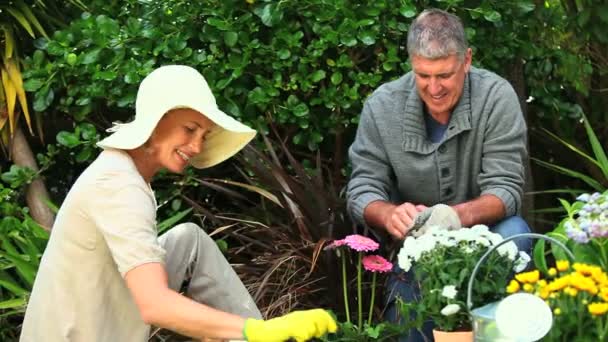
(371,305)
(359,297)
(344,288)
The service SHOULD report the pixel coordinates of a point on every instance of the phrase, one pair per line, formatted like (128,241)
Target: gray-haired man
(444,133)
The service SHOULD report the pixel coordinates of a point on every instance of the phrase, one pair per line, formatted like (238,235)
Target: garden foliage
(305,67)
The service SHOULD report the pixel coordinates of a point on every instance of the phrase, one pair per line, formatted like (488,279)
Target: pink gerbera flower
(335,244)
(376,263)
(361,243)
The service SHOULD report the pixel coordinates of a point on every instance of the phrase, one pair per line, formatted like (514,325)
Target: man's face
(440,82)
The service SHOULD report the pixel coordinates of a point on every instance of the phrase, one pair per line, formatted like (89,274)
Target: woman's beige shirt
(106,226)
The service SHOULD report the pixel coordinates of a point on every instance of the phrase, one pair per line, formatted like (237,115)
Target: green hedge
(304,65)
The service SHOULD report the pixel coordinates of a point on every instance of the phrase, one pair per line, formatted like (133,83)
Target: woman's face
(179,136)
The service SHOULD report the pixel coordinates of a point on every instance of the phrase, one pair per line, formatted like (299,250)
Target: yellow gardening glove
(299,325)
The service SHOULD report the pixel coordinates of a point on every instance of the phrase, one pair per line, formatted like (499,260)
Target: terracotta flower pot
(453,336)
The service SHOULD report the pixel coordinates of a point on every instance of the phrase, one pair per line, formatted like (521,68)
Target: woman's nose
(196,145)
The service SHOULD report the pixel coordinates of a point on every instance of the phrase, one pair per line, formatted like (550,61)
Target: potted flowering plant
(359,329)
(577,295)
(584,231)
(443,261)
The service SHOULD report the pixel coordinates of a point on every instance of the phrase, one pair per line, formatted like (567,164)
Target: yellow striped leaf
(15,75)
(31,17)
(11,96)
(22,20)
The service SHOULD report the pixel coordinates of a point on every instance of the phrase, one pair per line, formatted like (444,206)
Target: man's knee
(514,225)
(511,226)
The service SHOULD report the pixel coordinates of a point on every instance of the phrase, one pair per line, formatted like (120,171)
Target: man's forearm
(486,209)
(375,213)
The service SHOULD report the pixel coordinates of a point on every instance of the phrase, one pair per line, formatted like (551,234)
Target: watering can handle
(488,252)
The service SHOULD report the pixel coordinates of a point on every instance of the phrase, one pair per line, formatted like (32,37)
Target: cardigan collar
(414,128)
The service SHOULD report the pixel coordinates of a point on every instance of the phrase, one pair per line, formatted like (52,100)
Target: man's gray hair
(436,34)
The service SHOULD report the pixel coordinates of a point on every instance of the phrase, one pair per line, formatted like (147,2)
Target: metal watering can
(519,317)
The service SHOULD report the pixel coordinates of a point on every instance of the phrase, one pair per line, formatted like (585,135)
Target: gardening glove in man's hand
(299,325)
(437,215)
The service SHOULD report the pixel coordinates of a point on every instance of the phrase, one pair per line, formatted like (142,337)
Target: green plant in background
(22,241)
(599,161)
(20,20)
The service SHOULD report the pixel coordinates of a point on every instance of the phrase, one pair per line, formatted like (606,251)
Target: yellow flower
(585,269)
(542,283)
(604,293)
(600,278)
(528,277)
(249,1)
(544,293)
(583,283)
(552,272)
(597,309)
(559,283)
(557,311)
(528,288)
(562,265)
(513,287)
(571,291)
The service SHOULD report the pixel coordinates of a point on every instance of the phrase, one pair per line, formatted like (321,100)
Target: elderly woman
(106,276)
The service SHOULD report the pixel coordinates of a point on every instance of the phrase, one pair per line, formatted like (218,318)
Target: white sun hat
(179,86)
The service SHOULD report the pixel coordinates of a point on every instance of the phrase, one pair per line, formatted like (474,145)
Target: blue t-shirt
(434,129)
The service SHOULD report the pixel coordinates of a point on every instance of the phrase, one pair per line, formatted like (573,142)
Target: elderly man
(444,133)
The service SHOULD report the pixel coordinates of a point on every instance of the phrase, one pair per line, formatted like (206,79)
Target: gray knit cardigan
(482,151)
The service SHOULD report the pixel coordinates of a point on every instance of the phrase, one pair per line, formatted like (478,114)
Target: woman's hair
(436,34)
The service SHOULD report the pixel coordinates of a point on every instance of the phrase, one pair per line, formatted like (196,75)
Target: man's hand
(399,219)
(298,325)
(437,215)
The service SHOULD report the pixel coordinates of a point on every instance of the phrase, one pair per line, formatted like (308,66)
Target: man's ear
(468,58)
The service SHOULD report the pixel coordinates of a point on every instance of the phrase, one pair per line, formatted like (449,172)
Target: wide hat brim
(172,87)
(226,139)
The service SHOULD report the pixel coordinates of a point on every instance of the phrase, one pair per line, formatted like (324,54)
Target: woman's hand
(298,325)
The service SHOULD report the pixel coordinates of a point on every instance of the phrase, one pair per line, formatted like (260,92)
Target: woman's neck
(142,159)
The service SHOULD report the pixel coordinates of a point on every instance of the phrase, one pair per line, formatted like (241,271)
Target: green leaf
(222,245)
(270,14)
(408,10)
(87,131)
(171,221)
(106,75)
(596,146)
(336,78)
(230,38)
(348,41)
(284,54)
(219,23)
(91,57)
(68,139)
(571,173)
(301,110)
(318,75)
(13,303)
(492,16)
(367,37)
(32,84)
(526,7)
(43,99)
(84,155)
